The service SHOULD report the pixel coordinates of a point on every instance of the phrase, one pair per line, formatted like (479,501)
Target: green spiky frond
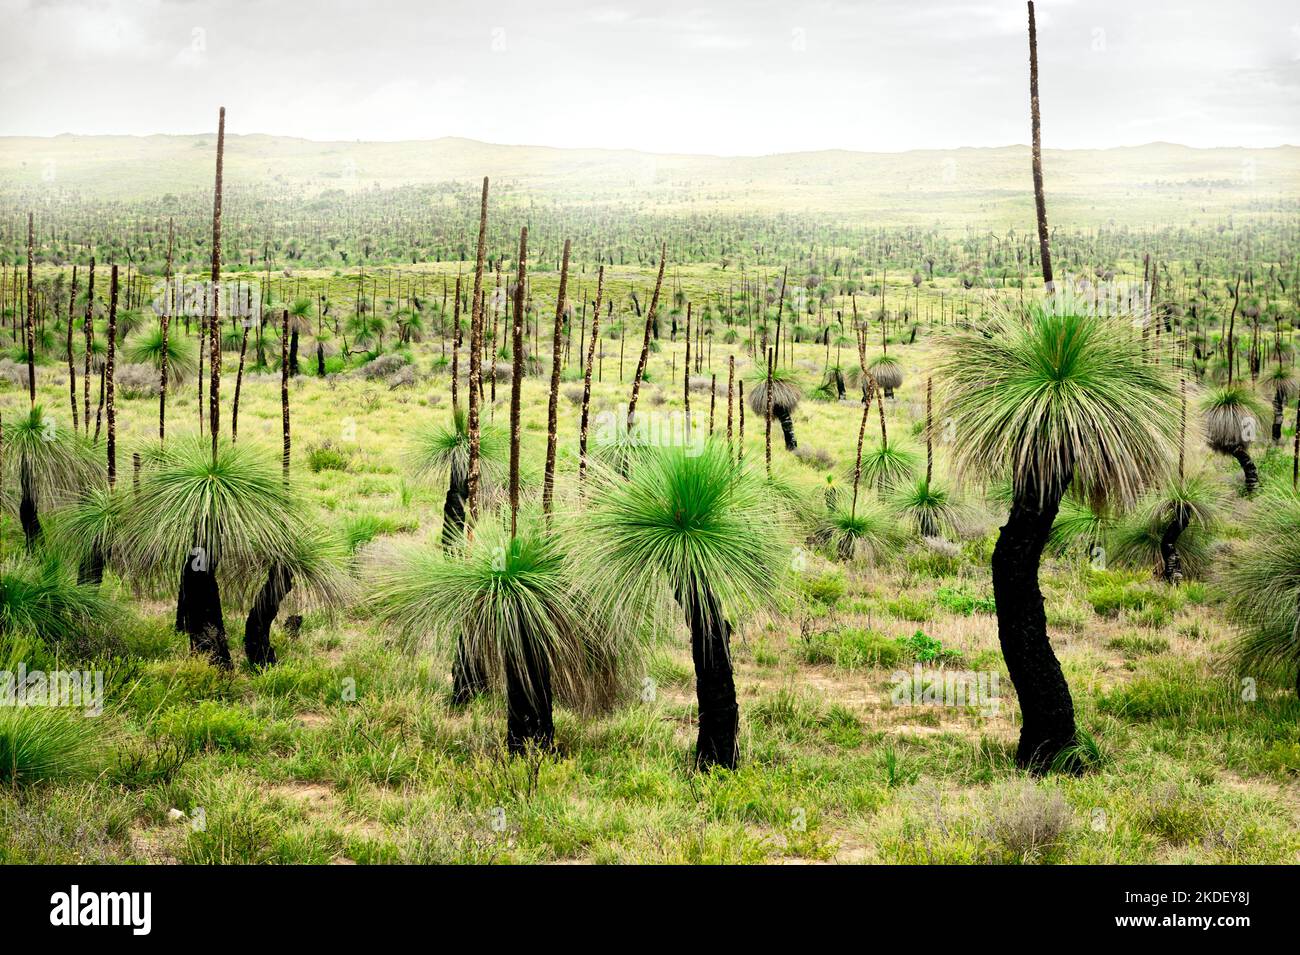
(437,450)
(1282,380)
(1079,528)
(1263,585)
(888,466)
(682,521)
(868,534)
(1058,393)
(92,523)
(42,598)
(931,509)
(1136,540)
(182,356)
(60,463)
(501,595)
(238,509)
(1232,417)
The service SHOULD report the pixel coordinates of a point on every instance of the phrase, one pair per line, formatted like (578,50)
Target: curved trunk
(1173,564)
(198,613)
(787,428)
(320,360)
(27,513)
(839,384)
(528,699)
(1247,468)
(257,628)
(1046,708)
(715,687)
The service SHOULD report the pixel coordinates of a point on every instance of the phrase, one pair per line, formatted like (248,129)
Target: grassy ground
(349,751)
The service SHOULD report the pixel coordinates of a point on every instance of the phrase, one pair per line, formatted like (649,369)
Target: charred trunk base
(1248,468)
(529,724)
(27,513)
(468,676)
(1046,707)
(198,614)
(715,686)
(90,570)
(453,508)
(1173,564)
(266,606)
(787,429)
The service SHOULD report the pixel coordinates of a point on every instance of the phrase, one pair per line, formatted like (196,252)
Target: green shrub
(1147,603)
(211,725)
(924,648)
(908,607)
(1136,645)
(849,648)
(959,601)
(327,456)
(825,588)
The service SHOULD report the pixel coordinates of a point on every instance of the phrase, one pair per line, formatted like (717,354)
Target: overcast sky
(732,77)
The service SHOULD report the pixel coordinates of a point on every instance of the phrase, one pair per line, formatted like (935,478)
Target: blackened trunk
(320,359)
(787,428)
(453,508)
(257,628)
(468,678)
(1277,417)
(91,568)
(27,513)
(1046,708)
(528,699)
(198,612)
(1247,468)
(715,687)
(1173,571)
(293,352)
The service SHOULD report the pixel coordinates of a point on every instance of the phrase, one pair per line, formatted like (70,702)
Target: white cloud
(756,76)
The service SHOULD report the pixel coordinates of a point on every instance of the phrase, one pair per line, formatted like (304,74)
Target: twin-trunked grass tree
(1060,397)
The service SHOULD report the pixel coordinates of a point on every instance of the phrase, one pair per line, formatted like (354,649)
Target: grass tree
(49,464)
(785,393)
(221,522)
(1169,531)
(509,601)
(690,527)
(1060,396)
(159,348)
(1283,384)
(1263,585)
(445,450)
(1232,415)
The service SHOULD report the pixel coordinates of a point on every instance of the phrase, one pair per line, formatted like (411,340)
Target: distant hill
(1156,183)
